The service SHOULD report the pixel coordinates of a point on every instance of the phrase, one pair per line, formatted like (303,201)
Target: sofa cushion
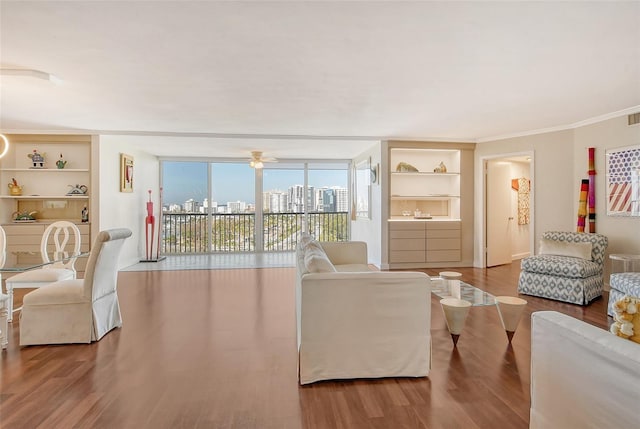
(628,283)
(564,266)
(627,318)
(316,261)
(565,248)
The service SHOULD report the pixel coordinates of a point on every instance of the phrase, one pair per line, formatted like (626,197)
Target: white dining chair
(61,235)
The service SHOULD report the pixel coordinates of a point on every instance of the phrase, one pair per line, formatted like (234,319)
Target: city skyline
(233,182)
(322,199)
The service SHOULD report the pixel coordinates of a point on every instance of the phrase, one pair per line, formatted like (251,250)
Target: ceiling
(313,79)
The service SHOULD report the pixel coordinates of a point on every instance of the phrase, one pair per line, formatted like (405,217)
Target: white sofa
(582,376)
(358,323)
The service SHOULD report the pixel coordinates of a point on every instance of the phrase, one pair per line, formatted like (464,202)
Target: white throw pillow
(316,261)
(564,248)
(305,239)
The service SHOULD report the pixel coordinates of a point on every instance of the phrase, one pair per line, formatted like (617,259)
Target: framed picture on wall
(126,173)
(623,181)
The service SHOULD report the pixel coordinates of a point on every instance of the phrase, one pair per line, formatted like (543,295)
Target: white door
(498,213)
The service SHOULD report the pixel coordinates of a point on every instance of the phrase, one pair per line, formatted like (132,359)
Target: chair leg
(10,303)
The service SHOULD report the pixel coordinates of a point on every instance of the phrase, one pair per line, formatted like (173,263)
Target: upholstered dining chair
(77,311)
(59,237)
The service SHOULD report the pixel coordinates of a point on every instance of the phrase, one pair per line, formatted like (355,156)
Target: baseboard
(518,256)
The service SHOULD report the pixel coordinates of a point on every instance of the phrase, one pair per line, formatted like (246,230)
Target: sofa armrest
(346,252)
(582,376)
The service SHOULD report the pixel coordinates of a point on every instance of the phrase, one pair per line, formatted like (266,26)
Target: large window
(214,207)
(328,210)
(232,207)
(283,205)
(184,224)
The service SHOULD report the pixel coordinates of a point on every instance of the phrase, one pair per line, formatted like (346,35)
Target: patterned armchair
(565,278)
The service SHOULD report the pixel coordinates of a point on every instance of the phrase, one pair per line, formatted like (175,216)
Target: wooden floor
(216,349)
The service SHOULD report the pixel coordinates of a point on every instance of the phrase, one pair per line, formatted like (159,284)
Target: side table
(455,313)
(628,260)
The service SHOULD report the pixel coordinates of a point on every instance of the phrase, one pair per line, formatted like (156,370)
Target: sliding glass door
(220,206)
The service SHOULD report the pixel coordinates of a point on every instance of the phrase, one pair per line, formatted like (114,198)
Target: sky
(235,181)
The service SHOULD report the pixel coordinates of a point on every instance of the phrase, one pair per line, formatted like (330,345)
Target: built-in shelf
(49,170)
(44,197)
(423,197)
(421,173)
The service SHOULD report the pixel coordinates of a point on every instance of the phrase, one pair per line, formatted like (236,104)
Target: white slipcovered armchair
(77,311)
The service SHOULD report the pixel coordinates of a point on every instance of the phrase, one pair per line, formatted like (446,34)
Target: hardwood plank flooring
(217,349)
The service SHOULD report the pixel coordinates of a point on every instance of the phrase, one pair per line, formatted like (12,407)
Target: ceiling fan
(257,160)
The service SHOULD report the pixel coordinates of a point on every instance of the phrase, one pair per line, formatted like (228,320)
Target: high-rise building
(275,201)
(318,197)
(328,200)
(191,206)
(342,199)
(236,206)
(296,199)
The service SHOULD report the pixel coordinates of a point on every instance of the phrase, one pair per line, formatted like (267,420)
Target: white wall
(552,185)
(120,209)
(560,162)
(623,232)
(369,230)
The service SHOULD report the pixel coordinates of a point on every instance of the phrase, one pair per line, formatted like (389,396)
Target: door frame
(482,257)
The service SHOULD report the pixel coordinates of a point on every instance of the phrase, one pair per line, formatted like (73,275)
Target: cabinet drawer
(443,225)
(443,233)
(399,256)
(404,225)
(443,256)
(443,244)
(408,244)
(25,229)
(407,234)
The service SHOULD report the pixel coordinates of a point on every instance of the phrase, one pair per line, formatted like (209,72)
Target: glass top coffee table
(475,296)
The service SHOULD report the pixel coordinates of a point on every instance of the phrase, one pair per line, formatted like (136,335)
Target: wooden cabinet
(407,242)
(415,242)
(443,241)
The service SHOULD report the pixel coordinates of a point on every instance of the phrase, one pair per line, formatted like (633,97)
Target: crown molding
(572,126)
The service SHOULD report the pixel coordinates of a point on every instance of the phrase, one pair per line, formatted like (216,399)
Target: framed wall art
(623,181)
(126,173)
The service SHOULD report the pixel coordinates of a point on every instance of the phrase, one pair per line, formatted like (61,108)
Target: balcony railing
(235,232)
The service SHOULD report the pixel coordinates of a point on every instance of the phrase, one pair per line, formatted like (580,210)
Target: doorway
(508,208)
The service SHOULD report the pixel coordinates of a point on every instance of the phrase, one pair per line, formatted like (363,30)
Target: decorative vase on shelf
(61,163)
(37,159)
(14,188)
